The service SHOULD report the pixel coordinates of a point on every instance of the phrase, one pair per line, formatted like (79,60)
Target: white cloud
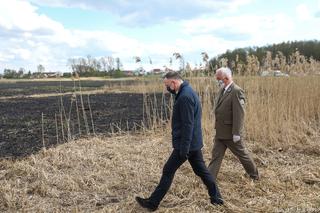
(22,16)
(32,38)
(242,30)
(303,12)
(6,57)
(145,13)
(30,46)
(24,34)
(23,53)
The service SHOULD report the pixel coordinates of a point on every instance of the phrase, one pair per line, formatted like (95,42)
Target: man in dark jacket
(186,141)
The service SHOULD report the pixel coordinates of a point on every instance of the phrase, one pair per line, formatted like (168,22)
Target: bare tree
(96,66)
(40,68)
(110,63)
(72,63)
(118,63)
(103,64)
(205,58)
(137,59)
(21,72)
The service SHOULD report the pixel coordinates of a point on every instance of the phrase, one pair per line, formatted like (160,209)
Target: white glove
(236,138)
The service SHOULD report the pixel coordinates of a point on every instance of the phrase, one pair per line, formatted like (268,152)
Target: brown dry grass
(105,174)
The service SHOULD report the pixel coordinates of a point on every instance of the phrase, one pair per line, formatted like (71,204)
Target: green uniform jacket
(229,112)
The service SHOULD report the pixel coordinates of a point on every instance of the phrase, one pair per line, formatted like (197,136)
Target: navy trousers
(173,163)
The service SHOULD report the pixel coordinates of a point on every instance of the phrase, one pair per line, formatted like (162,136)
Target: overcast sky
(49,32)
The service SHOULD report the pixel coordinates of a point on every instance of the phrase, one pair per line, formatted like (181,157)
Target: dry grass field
(104,174)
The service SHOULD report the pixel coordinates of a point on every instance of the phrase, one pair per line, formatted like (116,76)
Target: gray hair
(225,71)
(172,75)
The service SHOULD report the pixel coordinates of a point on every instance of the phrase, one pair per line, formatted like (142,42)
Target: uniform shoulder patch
(242,101)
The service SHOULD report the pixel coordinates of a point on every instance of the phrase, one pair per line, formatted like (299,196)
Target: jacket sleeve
(187,119)
(238,107)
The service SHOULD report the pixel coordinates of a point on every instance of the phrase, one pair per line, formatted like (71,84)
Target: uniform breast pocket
(228,106)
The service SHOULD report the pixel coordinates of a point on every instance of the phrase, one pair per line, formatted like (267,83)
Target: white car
(275,73)
(278,73)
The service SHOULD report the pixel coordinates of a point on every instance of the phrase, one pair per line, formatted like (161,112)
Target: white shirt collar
(227,87)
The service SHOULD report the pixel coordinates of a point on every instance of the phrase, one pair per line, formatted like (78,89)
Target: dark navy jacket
(186,121)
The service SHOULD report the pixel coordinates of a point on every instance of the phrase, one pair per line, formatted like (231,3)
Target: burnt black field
(26,88)
(29,123)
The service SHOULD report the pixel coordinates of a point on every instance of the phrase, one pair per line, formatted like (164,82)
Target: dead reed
(105,174)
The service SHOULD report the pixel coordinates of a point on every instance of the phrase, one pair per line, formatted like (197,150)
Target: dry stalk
(91,116)
(57,130)
(83,110)
(42,131)
(77,107)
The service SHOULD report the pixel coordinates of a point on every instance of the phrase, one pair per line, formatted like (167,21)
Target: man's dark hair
(172,75)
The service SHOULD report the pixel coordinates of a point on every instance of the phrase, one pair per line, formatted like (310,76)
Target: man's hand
(236,138)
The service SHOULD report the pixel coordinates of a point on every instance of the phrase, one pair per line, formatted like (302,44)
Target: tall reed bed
(280,111)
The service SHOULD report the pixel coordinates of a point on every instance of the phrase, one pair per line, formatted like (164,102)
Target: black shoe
(145,203)
(216,201)
(254,178)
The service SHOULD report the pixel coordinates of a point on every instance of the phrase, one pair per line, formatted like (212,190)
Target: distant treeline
(293,57)
(309,49)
